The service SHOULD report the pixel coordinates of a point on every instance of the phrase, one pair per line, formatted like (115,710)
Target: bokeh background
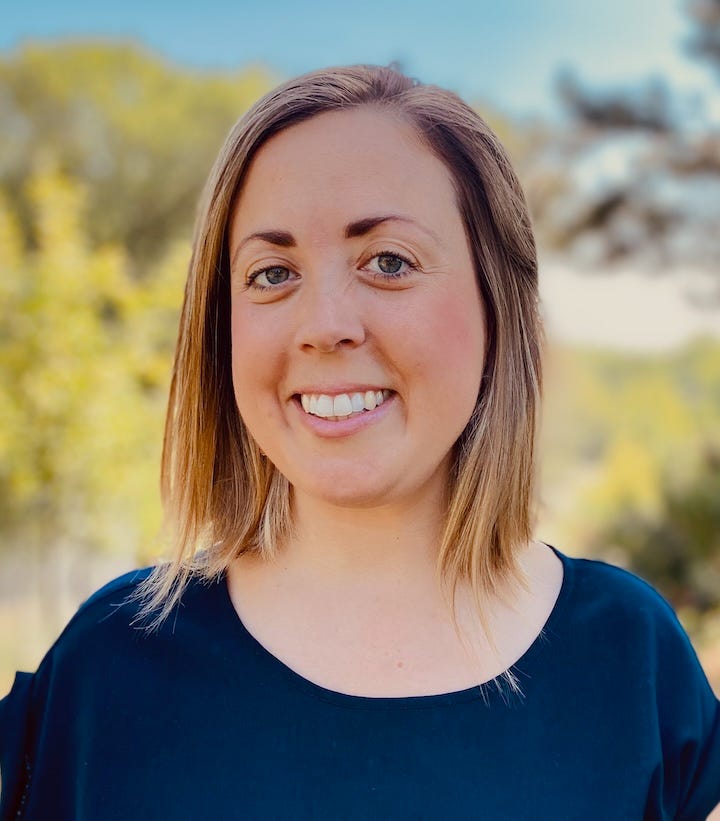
(110,118)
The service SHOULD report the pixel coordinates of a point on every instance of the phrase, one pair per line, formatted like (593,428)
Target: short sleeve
(704,784)
(36,741)
(15,725)
(690,727)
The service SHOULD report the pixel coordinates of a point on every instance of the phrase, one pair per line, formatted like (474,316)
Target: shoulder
(629,647)
(619,622)
(606,594)
(110,633)
(612,579)
(107,648)
(62,686)
(103,620)
(104,679)
(118,588)
(92,618)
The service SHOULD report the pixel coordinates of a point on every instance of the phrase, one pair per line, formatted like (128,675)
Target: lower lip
(343,427)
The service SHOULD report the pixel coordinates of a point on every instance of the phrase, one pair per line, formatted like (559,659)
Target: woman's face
(352,284)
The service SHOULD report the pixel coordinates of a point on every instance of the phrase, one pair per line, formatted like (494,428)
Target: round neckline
(494,688)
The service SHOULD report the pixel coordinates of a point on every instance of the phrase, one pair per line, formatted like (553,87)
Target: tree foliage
(103,152)
(679,548)
(84,355)
(705,40)
(139,134)
(646,107)
(631,448)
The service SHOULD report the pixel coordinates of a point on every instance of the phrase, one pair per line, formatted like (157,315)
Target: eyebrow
(358,228)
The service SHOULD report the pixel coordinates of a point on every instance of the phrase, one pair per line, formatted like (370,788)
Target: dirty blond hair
(222,496)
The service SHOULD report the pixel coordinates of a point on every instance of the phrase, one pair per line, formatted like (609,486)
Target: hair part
(222,497)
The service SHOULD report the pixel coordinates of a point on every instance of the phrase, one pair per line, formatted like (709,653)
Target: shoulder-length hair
(222,496)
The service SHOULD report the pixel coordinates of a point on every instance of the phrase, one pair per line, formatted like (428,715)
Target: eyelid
(391,247)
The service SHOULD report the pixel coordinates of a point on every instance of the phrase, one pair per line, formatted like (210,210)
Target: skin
(335,324)
(353,602)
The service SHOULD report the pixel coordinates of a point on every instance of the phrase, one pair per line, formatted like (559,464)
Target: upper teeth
(343,404)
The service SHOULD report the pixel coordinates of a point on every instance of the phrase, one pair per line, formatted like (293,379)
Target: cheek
(242,355)
(452,353)
(256,357)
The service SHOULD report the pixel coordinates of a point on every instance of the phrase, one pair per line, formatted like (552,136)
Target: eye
(391,265)
(268,277)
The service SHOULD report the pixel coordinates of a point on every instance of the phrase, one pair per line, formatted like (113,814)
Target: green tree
(614,425)
(679,549)
(84,361)
(705,40)
(139,133)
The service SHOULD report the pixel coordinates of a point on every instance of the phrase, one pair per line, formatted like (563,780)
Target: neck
(385,543)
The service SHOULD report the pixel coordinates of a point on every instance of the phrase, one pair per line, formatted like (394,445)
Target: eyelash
(251,280)
(411,265)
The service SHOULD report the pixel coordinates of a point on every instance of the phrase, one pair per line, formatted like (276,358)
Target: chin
(349,493)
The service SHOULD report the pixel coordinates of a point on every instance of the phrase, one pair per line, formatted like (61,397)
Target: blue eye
(268,277)
(390,265)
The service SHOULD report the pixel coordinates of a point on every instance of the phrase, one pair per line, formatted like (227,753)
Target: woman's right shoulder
(78,664)
(122,586)
(107,619)
(105,622)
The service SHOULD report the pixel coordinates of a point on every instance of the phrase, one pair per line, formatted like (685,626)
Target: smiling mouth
(342,405)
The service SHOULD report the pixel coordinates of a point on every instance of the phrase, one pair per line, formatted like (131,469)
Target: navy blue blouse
(200,721)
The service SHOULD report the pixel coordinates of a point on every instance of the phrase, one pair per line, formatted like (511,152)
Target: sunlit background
(110,117)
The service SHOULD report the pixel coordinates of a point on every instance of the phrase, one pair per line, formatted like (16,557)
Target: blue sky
(504,52)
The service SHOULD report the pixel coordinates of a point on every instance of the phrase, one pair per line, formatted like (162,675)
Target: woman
(357,622)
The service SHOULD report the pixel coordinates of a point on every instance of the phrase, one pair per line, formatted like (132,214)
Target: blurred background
(109,121)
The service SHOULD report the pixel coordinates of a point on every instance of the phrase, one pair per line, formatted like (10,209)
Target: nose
(329,317)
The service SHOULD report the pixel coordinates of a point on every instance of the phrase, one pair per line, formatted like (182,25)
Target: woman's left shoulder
(616,598)
(630,648)
(621,623)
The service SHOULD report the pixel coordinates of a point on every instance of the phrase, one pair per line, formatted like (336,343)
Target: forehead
(346,164)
